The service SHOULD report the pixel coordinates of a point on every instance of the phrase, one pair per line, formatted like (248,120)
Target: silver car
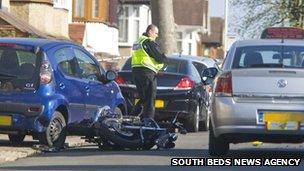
(258,95)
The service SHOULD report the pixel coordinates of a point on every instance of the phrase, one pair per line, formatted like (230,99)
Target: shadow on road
(105,167)
(7,143)
(91,151)
(239,153)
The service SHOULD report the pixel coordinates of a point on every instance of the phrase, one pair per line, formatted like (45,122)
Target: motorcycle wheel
(111,129)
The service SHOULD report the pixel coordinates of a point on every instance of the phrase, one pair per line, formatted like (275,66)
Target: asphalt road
(89,157)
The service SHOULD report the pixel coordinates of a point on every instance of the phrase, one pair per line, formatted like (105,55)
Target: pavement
(9,152)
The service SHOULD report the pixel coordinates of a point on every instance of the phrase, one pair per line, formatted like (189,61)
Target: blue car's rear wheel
(55,134)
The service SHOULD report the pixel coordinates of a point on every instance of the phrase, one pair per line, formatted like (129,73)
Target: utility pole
(162,16)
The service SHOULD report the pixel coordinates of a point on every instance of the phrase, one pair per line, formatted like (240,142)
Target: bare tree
(253,16)
(162,16)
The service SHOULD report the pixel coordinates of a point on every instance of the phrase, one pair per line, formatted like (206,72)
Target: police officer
(147,60)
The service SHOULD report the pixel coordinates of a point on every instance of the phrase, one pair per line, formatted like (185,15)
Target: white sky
(217,8)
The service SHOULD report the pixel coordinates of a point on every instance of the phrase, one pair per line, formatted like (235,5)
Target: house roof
(217,28)
(189,12)
(22,26)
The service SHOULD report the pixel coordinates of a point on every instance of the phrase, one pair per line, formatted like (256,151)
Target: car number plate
(158,103)
(282,125)
(278,120)
(5,120)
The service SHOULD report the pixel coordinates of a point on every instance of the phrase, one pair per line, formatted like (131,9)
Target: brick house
(190,18)
(93,23)
(38,18)
(212,45)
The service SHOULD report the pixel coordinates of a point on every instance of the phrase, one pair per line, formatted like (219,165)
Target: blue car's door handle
(61,86)
(87,88)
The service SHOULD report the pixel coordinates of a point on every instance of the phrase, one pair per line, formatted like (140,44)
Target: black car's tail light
(223,85)
(185,84)
(45,71)
(120,80)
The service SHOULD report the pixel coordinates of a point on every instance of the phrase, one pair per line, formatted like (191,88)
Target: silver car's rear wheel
(217,145)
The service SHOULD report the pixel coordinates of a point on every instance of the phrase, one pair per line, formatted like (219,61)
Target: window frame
(99,68)
(103,11)
(76,74)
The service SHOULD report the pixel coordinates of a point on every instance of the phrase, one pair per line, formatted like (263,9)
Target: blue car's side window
(66,61)
(89,69)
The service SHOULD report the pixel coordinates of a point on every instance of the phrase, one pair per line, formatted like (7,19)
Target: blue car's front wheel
(55,134)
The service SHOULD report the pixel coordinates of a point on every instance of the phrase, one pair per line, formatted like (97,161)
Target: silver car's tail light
(223,85)
(45,71)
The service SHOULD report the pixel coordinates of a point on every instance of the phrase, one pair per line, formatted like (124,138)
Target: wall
(43,17)
(100,37)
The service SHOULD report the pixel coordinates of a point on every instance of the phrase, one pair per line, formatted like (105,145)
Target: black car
(179,89)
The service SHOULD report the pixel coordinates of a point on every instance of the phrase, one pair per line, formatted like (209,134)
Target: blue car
(51,88)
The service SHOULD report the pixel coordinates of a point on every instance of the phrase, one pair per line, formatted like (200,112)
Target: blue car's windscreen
(19,68)
(269,57)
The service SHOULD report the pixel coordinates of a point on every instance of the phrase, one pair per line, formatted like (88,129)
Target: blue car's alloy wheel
(55,134)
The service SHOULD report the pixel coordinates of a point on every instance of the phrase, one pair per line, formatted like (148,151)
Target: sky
(217,8)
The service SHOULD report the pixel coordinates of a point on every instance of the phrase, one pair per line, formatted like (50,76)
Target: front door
(69,84)
(98,94)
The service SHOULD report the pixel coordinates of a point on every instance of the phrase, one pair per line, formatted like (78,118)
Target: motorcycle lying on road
(116,132)
(129,132)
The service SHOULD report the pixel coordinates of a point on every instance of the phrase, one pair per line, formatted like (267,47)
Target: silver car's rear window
(269,57)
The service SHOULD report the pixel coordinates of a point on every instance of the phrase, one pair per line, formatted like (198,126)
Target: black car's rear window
(18,67)
(173,66)
(269,57)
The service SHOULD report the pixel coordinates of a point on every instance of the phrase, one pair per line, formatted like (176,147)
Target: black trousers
(145,82)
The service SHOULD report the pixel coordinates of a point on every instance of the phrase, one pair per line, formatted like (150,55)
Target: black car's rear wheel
(217,145)
(16,138)
(55,133)
(192,124)
(204,125)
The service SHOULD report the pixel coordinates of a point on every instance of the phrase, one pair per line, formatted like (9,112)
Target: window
(95,8)
(179,38)
(132,22)
(136,21)
(79,8)
(189,48)
(199,67)
(176,66)
(66,61)
(269,57)
(18,68)
(88,68)
(123,25)
(61,4)
(90,10)
(136,29)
